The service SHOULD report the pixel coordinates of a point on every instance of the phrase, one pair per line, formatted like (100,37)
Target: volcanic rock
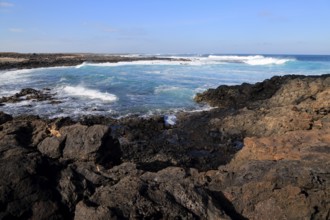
(93,143)
(29,94)
(262,154)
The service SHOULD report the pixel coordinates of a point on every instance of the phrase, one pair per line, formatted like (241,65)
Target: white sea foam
(81,65)
(203,109)
(260,60)
(25,71)
(161,89)
(22,75)
(229,58)
(251,60)
(20,104)
(140,62)
(81,91)
(198,61)
(132,55)
(14,74)
(4,92)
(170,120)
(153,72)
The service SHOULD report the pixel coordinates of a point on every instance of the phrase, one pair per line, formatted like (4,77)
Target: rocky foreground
(264,153)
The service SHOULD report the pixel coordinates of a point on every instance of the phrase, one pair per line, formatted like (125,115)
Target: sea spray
(146,87)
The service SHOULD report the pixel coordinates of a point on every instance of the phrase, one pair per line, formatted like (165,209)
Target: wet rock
(28,91)
(29,94)
(263,155)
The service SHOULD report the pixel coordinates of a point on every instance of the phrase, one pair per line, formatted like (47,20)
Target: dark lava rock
(93,143)
(264,155)
(52,147)
(29,94)
(4,118)
(28,91)
(239,96)
(26,185)
(248,95)
(35,60)
(84,211)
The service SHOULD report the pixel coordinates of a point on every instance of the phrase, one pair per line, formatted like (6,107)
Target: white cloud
(16,30)
(6,4)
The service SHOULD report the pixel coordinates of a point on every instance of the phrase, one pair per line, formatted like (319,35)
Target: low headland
(263,152)
(36,60)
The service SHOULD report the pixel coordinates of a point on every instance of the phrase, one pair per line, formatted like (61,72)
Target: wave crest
(251,60)
(198,61)
(89,93)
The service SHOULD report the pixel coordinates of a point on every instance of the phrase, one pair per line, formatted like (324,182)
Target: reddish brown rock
(279,177)
(263,155)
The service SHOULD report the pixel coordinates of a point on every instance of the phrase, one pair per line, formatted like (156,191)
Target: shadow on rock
(223,203)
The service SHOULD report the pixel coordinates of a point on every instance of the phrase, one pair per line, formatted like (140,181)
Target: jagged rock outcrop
(280,90)
(39,182)
(30,94)
(26,186)
(279,177)
(263,154)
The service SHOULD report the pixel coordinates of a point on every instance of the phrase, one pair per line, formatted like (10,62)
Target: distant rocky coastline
(262,153)
(36,60)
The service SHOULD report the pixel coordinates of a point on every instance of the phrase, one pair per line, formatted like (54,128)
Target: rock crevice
(262,154)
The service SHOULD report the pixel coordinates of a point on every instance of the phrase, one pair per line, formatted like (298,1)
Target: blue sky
(166,26)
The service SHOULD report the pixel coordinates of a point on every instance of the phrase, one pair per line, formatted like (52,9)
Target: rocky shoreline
(36,60)
(263,153)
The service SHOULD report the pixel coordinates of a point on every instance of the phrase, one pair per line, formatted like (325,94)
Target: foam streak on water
(252,60)
(146,87)
(80,91)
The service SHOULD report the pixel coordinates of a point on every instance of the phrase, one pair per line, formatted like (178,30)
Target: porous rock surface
(264,153)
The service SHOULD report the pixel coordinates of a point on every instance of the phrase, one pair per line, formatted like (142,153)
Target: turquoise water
(146,87)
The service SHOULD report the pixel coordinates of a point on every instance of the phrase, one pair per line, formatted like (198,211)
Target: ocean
(146,88)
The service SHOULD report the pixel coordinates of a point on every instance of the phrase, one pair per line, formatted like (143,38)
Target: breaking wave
(81,91)
(199,61)
(251,60)
(139,62)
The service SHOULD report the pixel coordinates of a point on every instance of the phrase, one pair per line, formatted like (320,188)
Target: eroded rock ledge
(263,154)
